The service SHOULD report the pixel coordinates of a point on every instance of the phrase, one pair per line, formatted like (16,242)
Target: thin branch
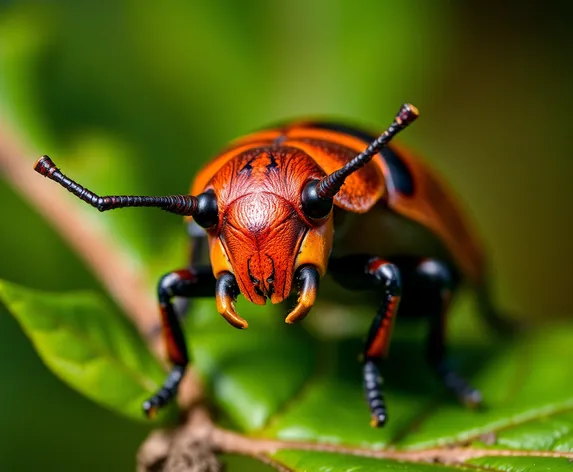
(199,430)
(229,441)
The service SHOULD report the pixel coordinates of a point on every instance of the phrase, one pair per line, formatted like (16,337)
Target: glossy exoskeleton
(270,205)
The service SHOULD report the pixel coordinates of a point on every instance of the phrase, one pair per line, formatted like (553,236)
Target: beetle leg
(498,322)
(366,272)
(386,277)
(308,279)
(226,294)
(197,258)
(436,284)
(179,283)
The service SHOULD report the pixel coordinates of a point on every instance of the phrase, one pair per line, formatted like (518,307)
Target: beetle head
(261,236)
(264,236)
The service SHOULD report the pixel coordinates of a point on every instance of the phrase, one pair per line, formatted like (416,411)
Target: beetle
(282,206)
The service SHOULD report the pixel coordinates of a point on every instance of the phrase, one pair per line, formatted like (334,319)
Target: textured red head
(262,227)
(262,234)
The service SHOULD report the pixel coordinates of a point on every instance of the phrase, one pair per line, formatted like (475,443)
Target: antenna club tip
(407,114)
(45,166)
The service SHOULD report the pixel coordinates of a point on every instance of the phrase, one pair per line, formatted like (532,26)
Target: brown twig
(199,431)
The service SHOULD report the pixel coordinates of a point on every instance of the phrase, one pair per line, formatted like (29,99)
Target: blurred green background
(132,98)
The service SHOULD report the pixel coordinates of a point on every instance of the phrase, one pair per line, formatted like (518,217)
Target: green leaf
(548,433)
(237,463)
(275,381)
(522,464)
(521,380)
(252,373)
(303,461)
(87,345)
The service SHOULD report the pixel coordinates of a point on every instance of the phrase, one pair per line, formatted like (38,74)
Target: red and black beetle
(284,205)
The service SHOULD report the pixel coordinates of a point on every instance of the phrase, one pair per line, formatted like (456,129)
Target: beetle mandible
(282,206)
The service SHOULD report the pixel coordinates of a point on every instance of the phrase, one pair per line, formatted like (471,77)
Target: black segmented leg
(198,257)
(499,323)
(433,285)
(366,272)
(189,283)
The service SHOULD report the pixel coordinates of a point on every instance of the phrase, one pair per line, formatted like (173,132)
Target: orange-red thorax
(261,223)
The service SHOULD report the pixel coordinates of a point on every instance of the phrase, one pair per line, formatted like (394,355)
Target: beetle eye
(207,211)
(315,207)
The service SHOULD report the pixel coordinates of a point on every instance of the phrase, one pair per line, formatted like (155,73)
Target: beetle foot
(467,395)
(149,409)
(471,399)
(377,421)
(373,391)
(166,393)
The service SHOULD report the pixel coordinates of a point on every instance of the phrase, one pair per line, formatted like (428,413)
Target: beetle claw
(234,319)
(299,312)
(471,399)
(377,421)
(226,293)
(308,278)
(149,410)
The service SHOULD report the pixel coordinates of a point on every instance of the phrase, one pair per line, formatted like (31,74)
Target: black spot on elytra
(273,163)
(399,173)
(248,167)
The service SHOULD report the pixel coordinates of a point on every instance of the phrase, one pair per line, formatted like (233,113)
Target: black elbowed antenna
(203,207)
(329,186)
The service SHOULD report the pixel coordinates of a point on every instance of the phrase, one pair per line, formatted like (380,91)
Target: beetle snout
(262,276)
(264,290)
